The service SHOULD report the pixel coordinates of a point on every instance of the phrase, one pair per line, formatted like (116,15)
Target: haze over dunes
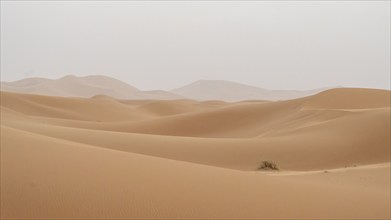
(196,109)
(103,157)
(233,92)
(202,90)
(87,86)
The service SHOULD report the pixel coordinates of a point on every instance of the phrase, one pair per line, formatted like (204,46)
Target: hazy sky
(163,45)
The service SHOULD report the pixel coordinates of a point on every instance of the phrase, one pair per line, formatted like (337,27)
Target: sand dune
(102,157)
(349,98)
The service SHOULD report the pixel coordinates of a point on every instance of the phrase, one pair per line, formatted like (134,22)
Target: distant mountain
(90,86)
(87,86)
(232,92)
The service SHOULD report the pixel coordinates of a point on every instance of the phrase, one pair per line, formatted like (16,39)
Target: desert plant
(268,165)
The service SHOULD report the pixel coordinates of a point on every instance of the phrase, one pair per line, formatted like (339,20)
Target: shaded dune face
(103,157)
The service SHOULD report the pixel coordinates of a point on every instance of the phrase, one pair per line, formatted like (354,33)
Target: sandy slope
(108,158)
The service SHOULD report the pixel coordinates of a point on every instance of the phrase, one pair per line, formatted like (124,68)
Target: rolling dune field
(103,157)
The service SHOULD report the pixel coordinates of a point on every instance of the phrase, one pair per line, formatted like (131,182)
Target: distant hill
(203,90)
(87,86)
(231,91)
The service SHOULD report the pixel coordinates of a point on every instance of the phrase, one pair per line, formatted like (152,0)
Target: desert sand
(104,157)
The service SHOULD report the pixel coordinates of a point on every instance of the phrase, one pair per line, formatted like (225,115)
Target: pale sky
(167,44)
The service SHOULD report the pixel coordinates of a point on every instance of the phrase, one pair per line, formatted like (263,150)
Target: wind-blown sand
(102,157)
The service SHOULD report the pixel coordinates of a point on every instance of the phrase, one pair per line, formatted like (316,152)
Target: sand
(102,157)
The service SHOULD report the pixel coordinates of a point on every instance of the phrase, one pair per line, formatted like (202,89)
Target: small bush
(268,165)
